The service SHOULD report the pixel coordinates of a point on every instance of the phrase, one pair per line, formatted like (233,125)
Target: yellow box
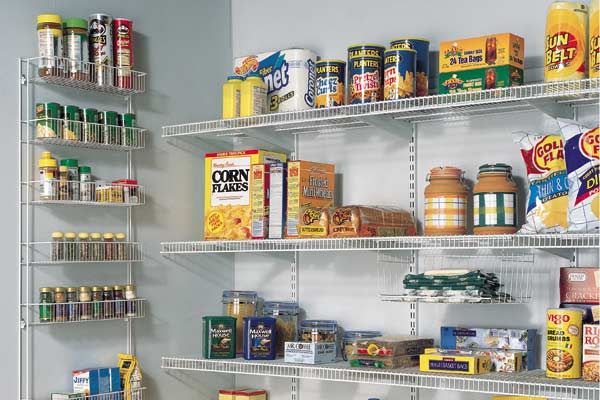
(517,398)
(452,363)
(251,394)
(227,394)
(482,52)
(227,205)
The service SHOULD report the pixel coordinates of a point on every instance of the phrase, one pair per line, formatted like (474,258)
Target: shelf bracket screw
(23,80)
(22,324)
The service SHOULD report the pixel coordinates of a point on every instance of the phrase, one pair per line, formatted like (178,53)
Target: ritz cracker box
(485,62)
(290,76)
(227,201)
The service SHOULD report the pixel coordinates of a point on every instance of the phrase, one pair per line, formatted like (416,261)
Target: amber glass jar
(445,202)
(495,201)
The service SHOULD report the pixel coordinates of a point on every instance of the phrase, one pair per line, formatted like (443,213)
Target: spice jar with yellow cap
(48,175)
(71,251)
(445,202)
(121,253)
(49,32)
(84,246)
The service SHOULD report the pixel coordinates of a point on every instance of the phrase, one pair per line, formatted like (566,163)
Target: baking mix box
(454,362)
(94,381)
(227,202)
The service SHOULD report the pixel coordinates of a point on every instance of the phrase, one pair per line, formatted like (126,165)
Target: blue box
(95,381)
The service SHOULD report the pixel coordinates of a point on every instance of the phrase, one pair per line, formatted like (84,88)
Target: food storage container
(494,201)
(445,202)
(317,331)
(239,304)
(286,316)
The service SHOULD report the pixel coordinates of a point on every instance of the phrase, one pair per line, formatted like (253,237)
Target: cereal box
(259,198)
(580,285)
(309,195)
(590,367)
(227,203)
(277,202)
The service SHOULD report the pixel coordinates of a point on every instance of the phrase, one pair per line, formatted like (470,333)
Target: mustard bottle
(231,97)
(253,95)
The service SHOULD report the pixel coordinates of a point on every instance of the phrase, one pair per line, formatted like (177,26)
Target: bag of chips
(548,187)
(582,148)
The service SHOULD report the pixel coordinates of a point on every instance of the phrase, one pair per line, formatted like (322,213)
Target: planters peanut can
(331,77)
(566,42)
(594,39)
(421,46)
(563,343)
(365,70)
(399,74)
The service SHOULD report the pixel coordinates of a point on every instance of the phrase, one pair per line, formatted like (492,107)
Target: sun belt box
(580,285)
(290,76)
(94,381)
(259,199)
(227,205)
(278,200)
(309,353)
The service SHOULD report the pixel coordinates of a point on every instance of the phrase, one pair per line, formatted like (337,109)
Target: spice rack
(34,253)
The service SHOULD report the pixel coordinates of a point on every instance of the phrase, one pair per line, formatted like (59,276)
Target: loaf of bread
(368,221)
(314,222)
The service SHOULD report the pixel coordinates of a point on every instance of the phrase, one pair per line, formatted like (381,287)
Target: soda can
(331,78)
(399,74)
(122,29)
(365,70)
(422,48)
(100,42)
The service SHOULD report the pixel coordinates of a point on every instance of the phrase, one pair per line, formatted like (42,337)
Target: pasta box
(590,369)
(454,362)
(309,353)
(94,381)
(580,285)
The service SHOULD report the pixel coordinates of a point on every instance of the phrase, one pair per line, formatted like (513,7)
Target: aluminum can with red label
(122,29)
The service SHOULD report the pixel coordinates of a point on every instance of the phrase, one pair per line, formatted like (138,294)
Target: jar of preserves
(119,297)
(130,296)
(97,308)
(239,304)
(71,250)
(286,322)
(121,253)
(85,305)
(108,305)
(46,307)
(109,246)
(445,202)
(58,246)
(60,307)
(75,47)
(349,338)
(318,331)
(495,201)
(73,309)
(49,32)
(97,247)
(84,246)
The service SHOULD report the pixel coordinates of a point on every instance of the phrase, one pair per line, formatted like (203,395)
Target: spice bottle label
(47,45)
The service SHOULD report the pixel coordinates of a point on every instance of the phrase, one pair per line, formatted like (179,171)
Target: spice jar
(130,295)
(108,305)
(121,253)
(349,338)
(109,246)
(58,246)
(112,130)
(286,322)
(71,251)
(48,123)
(60,308)
(97,309)
(86,184)
(64,193)
(46,307)
(73,168)
(72,124)
(85,306)
(239,304)
(120,305)
(49,32)
(73,313)
(318,331)
(97,247)
(75,47)
(92,131)
(445,202)
(84,246)
(494,201)
(48,173)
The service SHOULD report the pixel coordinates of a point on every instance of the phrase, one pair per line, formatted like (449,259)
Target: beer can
(399,69)
(594,43)
(365,71)
(421,46)
(566,42)
(122,29)
(331,78)
(100,42)
(563,343)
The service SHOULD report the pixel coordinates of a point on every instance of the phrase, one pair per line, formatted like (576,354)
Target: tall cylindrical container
(365,73)
(231,97)
(494,201)
(445,202)
(594,42)
(100,42)
(75,47)
(399,74)
(566,41)
(122,32)
(49,32)
(421,46)
(331,81)
(563,343)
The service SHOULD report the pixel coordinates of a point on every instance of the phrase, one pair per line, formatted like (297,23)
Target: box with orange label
(227,203)
(309,196)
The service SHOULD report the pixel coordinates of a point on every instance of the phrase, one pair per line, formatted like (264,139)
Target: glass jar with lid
(239,304)
(84,246)
(119,297)
(97,247)
(97,306)
(121,247)
(130,296)
(60,309)
(58,246)
(49,32)
(75,47)
(445,202)
(73,309)
(318,331)
(495,201)
(46,307)
(349,338)
(286,322)
(71,251)
(85,306)
(109,246)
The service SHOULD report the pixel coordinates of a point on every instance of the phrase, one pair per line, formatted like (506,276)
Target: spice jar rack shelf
(46,253)
(99,193)
(530,383)
(91,76)
(133,394)
(544,96)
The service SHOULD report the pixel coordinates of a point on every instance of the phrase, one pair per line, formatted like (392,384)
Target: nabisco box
(227,203)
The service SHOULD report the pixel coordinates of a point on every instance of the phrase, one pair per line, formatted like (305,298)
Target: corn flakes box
(310,194)
(227,202)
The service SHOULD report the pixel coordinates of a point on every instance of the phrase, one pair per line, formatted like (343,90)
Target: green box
(219,337)
(475,79)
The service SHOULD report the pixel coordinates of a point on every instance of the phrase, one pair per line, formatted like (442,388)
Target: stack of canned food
(84,303)
(83,246)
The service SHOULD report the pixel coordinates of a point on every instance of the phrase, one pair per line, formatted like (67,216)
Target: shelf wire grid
(77,252)
(97,193)
(529,383)
(133,394)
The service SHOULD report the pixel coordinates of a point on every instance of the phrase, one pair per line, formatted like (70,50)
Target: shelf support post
(413,266)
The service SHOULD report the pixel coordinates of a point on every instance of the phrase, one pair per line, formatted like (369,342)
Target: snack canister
(563,343)
(421,46)
(365,71)
(399,74)
(445,202)
(100,42)
(331,78)
(566,41)
(495,200)
(122,32)
(594,42)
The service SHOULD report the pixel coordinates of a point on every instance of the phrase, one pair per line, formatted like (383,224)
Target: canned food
(563,343)
(365,70)
(72,127)
(47,124)
(331,77)
(421,46)
(100,39)
(399,74)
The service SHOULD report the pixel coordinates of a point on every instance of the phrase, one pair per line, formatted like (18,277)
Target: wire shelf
(417,109)
(91,135)
(549,241)
(87,76)
(76,252)
(71,312)
(530,383)
(132,394)
(98,193)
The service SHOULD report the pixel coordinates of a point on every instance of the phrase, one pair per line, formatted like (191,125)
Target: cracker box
(309,353)
(250,394)
(227,205)
(590,365)
(278,197)
(580,285)
(454,362)
(94,381)
(259,198)
(309,196)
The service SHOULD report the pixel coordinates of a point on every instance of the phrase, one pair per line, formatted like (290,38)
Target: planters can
(365,71)
(289,74)
(421,46)
(331,78)
(100,42)
(399,74)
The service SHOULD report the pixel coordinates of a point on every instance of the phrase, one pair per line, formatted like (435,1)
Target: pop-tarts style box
(94,381)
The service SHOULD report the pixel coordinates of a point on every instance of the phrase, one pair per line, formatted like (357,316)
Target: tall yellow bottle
(253,96)
(594,44)
(231,97)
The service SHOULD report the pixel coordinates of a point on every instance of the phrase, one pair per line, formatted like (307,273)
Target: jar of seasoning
(445,202)
(84,246)
(86,184)
(129,136)
(91,128)
(48,173)
(64,191)
(97,247)
(71,251)
(110,121)
(109,247)
(48,123)
(73,309)
(60,300)
(46,307)
(72,124)
(349,338)
(75,47)
(318,331)
(122,253)
(286,322)
(49,32)
(58,246)
(97,307)
(495,201)
(108,305)
(119,298)
(130,295)
(239,304)
(73,167)
(85,305)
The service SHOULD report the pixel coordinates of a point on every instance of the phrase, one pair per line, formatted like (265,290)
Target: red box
(580,285)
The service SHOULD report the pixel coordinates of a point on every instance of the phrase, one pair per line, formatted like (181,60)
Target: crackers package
(582,156)
(547,201)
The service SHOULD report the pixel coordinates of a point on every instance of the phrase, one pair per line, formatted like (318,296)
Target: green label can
(72,127)
(129,136)
(91,131)
(219,337)
(47,124)
(110,120)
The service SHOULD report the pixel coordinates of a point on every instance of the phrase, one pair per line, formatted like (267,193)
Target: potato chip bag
(548,187)
(582,148)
